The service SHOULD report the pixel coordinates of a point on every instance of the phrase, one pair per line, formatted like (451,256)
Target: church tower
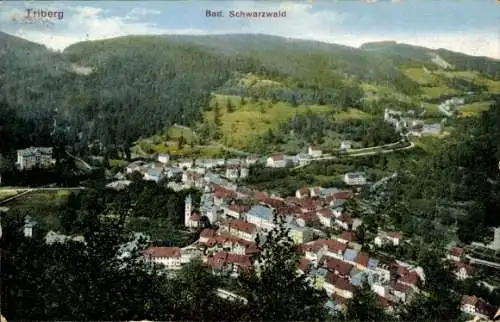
(187,211)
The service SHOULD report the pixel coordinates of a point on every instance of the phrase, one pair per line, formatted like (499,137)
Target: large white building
(34,157)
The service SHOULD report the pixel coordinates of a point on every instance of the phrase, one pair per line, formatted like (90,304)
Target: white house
(168,256)
(186,163)
(300,234)
(163,158)
(34,157)
(314,152)
(251,160)
(325,217)
(355,178)
(261,217)
(232,171)
(154,174)
(302,159)
(345,145)
(455,254)
(276,161)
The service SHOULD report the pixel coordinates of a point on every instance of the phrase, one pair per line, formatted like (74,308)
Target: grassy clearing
(473,108)
(41,205)
(253,118)
(251,80)
(420,76)
(474,76)
(351,113)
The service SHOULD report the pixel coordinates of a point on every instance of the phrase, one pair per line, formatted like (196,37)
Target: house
(350,256)
(345,145)
(300,234)
(403,292)
(29,223)
(463,271)
(261,217)
(276,161)
(337,266)
(304,266)
(347,237)
(232,171)
(135,166)
(206,234)
(34,157)
(355,178)
(154,174)
(479,308)
(394,237)
(343,288)
(325,216)
(242,229)
(329,283)
(306,219)
(168,256)
(345,221)
(362,260)
(237,211)
(251,160)
(391,238)
(302,159)
(332,248)
(314,152)
(455,254)
(163,158)
(185,163)
(302,193)
(222,195)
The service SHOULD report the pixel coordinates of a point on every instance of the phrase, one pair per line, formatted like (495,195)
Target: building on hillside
(300,234)
(276,161)
(314,152)
(29,223)
(154,174)
(261,217)
(345,146)
(302,159)
(168,256)
(191,217)
(34,157)
(355,178)
(163,158)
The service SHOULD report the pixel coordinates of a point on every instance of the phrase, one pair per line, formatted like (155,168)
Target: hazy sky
(469,26)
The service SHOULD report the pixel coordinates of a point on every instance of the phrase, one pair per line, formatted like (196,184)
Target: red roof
(156,252)
(401,287)
(395,235)
(362,259)
(345,218)
(307,217)
(303,264)
(241,225)
(344,284)
(252,249)
(327,213)
(217,260)
(277,157)
(338,266)
(383,302)
(343,195)
(239,260)
(333,246)
(456,251)
(260,196)
(468,268)
(223,193)
(207,233)
(273,202)
(239,208)
(412,278)
(331,278)
(348,235)
(471,300)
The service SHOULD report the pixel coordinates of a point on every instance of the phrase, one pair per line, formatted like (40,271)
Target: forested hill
(119,89)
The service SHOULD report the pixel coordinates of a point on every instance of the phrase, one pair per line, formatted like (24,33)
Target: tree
(217,114)
(229,106)
(363,306)
(275,290)
(181,142)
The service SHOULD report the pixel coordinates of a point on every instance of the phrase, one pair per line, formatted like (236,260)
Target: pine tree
(229,106)
(217,114)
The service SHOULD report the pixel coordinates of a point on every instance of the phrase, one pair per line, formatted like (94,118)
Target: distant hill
(117,90)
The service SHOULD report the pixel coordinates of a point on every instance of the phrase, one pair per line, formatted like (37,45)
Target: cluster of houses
(449,105)
(406,121)
(34,157)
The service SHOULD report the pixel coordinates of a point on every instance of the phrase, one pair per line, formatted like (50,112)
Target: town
(234,220)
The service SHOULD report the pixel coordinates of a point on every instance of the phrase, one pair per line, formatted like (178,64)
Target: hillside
(120,89)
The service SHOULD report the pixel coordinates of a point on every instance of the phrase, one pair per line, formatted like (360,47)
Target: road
(85,164)
(230,295)
(411,146)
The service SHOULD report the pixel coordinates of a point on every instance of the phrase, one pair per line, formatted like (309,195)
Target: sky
(468,26)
